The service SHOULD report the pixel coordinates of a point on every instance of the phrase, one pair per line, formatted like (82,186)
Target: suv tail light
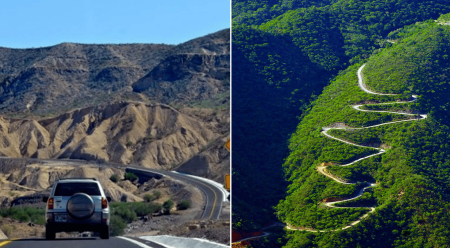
(104,203)
(50,203)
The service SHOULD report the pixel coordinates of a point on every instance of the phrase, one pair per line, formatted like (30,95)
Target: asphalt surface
(212,210)
(113,242)
(213,195)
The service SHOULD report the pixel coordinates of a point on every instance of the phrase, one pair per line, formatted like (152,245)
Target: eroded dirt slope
(154,136)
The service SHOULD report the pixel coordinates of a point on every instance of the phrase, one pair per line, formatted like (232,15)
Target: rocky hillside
(186,78)
(156,135)
(53,80)
(115,103)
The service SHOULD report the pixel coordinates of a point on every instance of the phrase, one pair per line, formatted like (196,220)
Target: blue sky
(38,23)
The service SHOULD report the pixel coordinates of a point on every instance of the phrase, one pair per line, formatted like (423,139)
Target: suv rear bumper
(93,223)
(75,227)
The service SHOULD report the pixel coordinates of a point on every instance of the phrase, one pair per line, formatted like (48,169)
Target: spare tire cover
(80,206)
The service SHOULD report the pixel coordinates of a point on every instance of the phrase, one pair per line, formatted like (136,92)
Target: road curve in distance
(213,195)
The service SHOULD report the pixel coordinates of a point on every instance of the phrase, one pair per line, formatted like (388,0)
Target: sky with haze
(40,23)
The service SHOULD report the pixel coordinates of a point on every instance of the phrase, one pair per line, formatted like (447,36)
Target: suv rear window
(69,189)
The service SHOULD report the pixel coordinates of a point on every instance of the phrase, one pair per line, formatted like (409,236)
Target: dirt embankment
(27,183)
(15,229)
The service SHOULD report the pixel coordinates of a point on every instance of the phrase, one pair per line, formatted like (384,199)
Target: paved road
(264,233)
(256,237)
(363,86)
(182,242)
(114,242)
(213,194)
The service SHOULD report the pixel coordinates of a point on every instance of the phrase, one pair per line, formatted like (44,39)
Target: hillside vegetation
(284,54)
(412,176)
(418,64)
(256,12)
(342,31)
(267,70)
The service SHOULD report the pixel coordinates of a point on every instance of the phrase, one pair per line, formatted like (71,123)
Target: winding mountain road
(260,236)
(214,195)
(322,170)
(255,237)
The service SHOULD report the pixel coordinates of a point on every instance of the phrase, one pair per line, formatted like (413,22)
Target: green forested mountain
(413,176)
(333,32)
(257,12)
(350,29)
(283,56)
(269,97)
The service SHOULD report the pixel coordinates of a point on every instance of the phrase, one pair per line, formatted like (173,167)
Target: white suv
(77,204)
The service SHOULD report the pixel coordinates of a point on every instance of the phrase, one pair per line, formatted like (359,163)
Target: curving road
(214,195)
(362,85)
(260,236)
(255,237)
(322,170)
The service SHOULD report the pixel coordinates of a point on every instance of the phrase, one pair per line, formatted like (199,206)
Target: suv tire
(49,232)
(80,213)
(104,232)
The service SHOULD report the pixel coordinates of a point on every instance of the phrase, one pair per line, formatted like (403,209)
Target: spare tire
(80,206)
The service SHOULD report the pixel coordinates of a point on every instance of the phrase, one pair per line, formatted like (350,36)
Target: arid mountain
(115,103)
(186,78)
(53,80)
(198,70)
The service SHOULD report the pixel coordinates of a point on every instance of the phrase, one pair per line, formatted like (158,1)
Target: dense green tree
(273,78)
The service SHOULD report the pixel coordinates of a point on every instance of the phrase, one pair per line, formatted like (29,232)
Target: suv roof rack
(77,178)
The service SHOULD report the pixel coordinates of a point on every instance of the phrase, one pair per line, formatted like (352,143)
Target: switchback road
(322,169)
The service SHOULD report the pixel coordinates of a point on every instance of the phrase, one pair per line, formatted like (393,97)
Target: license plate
(60,217)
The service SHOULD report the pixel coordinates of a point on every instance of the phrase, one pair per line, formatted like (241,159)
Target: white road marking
(138,243)
(181,242)
(216,185)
